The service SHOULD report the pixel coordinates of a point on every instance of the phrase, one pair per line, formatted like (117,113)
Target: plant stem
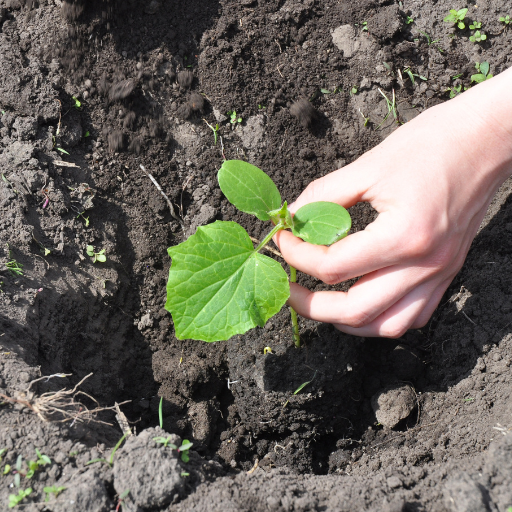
(293,313)
(266,240)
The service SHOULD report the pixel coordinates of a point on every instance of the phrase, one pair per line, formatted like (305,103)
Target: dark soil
(92,91)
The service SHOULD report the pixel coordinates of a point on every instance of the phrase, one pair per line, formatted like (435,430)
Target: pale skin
(431,182)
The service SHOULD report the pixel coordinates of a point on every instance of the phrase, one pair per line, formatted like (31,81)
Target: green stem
(293,313)
(267,239)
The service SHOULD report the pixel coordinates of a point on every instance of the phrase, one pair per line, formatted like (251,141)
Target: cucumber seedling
(219,284)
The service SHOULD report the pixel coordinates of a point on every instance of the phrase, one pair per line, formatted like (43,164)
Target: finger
(358,254)
(422,319)
(401,316)
(346,186)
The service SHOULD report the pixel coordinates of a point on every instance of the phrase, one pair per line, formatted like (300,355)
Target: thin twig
(171,207)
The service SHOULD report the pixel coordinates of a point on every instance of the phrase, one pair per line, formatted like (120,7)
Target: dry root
(59,406)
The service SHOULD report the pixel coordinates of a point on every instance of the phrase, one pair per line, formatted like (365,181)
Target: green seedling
(214,130)
(468,399)
(303,385)
(110,461)
(364,26)
(15,268)
(353,90)
(477,37)
(184,473)
(62,150)
(412,75)
(483,72)
(183,449)
(86,219)
(409,20)
(457,17)
(233,117)
(53,490)
(267,350)
(261,107)
(16,499)
(78,103)
(455,90)
(121,498)
(34,465)
(160,415)
(391,104)
(97,256)
(2,451)
(219,284)
(87,134)
(506,20)
(7,469)
(475,25)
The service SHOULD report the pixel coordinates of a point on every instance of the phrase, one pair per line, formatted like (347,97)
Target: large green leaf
(321,223)
(248,188)
(220,286)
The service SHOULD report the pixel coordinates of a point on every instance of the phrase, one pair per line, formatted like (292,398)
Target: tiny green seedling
(506,20)
(16,499)
(303,385)
(261,107)
(2,451)
(34,465)
(468,399)
(477,37)
(391,104)
(214,130)
(7,469)
(121,498)
(483,72)
(160,415)
(97,256)
(364,26)
(475,25)
(409,72)
(53,490)
(457,18)
(455,90)
(15,268)
(86,219)
(409,20)
(62,151)
(267,350)
(87,134)
(78,103)
(219,284)
(183,449)
(110,461)
(233,117)
(353,90)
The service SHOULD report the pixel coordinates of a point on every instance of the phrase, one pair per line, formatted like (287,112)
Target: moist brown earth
(94,96)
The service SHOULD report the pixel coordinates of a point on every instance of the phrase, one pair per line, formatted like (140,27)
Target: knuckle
(356,318)
(328,273)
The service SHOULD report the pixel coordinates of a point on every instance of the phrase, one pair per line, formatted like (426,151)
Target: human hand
(431,182)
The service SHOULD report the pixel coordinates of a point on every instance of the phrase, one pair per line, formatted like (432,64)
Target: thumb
(346,186)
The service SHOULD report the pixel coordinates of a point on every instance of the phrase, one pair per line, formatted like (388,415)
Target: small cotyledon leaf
(220,286)
(248,188)
(321,223)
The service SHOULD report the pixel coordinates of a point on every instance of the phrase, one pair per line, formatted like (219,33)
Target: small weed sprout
(483,72)
(477,37)
(183,449)
(34,465)
(391,104)
(267,350)
(97,256)
(234,118)
(53,490)
(506,21)
(16,499)
(110,461)
(475,25)
(121,498)
(7,469)
(214,130)
(409,20)
(457,18)
(160,415)
(409,72)
(455,90)
(15,268)
(353,90)
(364,26)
